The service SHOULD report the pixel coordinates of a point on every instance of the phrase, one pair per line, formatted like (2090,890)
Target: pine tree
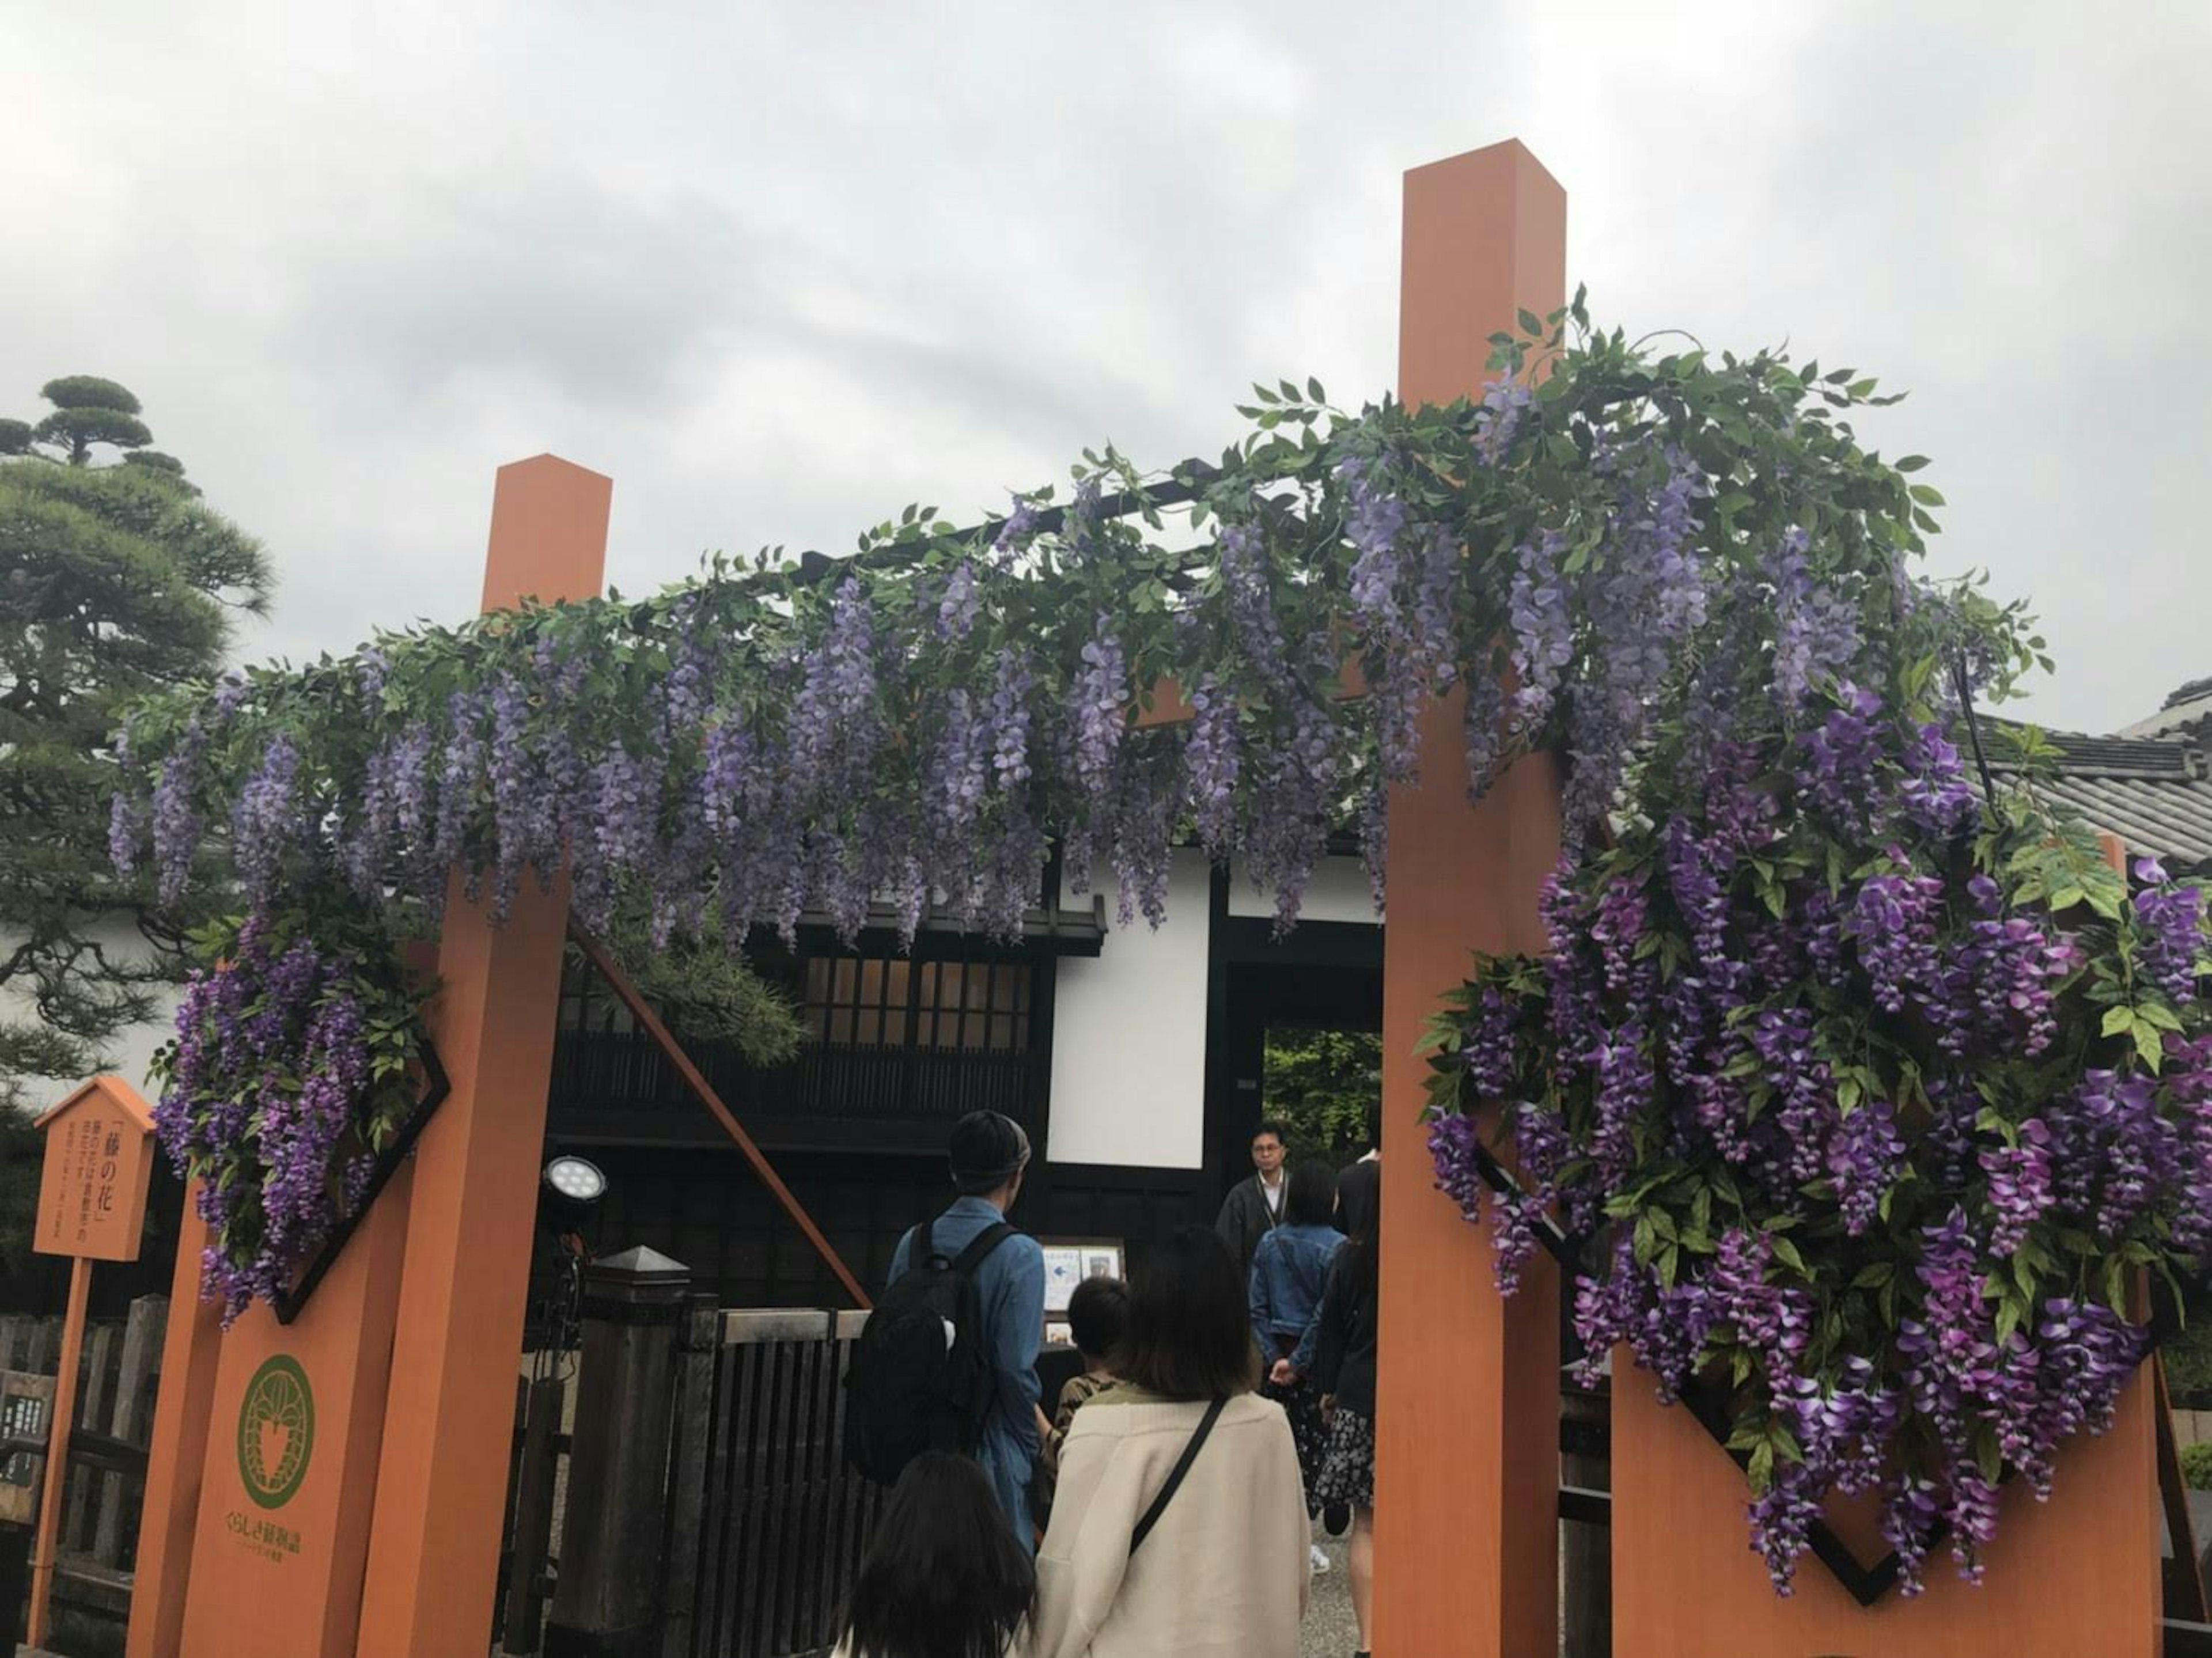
(115,580)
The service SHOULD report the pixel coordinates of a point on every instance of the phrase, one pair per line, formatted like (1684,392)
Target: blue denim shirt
(1289,1273)
(1010,1292)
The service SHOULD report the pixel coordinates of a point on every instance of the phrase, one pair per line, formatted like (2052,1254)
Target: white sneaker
(1319,1560)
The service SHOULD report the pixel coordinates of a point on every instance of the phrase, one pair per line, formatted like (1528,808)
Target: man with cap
(989,1153)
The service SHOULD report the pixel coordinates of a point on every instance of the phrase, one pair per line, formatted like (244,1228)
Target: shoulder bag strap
(1175,1474)
(986,1241)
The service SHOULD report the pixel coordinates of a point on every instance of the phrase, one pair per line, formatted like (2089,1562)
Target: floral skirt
(1302,1404)
(1347,1468)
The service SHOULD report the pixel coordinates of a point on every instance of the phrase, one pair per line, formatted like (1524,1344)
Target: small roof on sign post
(98,1163)
(117,1092)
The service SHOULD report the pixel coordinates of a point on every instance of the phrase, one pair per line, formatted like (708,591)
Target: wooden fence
(747,1547)
(766,1522)
(107,1475)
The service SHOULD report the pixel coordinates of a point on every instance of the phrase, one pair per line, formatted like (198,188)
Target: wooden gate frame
(1469,1408)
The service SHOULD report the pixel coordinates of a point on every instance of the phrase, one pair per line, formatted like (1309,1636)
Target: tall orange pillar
(441,1478)
(175,1463)
(1467,1419)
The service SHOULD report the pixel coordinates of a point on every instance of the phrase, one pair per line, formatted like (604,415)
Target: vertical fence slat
(514,1459)
(44,1349)
(814,1618)
(756,1382)
(769,1540)
(133,1419)
(687,1493)
(829,1580)
(525,1623)
(714,1532)
(807,1427)
(93,1402)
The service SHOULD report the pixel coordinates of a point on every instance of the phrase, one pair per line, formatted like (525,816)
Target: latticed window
(893,1002)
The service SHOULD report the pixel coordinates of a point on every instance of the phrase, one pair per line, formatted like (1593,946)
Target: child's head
(943,1577)
(1096,1313)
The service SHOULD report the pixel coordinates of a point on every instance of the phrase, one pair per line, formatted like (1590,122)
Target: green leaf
(1911,463)
(1787,1253)
(2117,1020)
(2150,1046)
(1761,1469)
(1531,324)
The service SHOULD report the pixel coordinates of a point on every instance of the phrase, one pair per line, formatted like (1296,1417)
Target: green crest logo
(276,1433)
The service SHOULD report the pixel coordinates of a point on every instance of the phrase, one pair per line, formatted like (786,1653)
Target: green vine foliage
(297,1060)
(1870,1103)
(761,742)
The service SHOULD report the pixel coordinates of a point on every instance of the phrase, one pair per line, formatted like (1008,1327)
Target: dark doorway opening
(1325,976)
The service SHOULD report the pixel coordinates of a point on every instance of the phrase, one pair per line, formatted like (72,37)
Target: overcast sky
(781,268)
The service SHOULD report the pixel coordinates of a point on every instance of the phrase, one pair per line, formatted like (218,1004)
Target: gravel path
(1329,1630)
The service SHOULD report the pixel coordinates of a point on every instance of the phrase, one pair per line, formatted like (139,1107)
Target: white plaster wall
(129,1051)
(1340,892)
(1129,1038)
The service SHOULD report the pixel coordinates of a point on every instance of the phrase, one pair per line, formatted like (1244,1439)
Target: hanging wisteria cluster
(1865,1103)
(1245,667)
(294,1062)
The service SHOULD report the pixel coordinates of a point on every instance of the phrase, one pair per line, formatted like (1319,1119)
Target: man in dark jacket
(1254,1206)
(1359,1186)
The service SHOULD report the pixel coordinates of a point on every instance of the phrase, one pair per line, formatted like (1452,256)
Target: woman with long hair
(1344,1370)
(1180,1525)
(943,1577)
(1290,1274)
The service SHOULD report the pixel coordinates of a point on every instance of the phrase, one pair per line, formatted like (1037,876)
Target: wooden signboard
(26,1405)
(92,1206)
(99,1160)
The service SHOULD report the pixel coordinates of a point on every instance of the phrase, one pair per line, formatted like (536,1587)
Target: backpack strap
(924,1248)
(986,1241)
(1175,1474)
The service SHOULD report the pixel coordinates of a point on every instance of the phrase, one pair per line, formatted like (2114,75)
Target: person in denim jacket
(1289,1274)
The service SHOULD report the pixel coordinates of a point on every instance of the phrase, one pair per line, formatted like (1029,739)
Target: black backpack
(908,1392)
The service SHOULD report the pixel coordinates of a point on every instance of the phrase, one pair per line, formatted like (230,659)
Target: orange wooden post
(176,1462)
(60,1413)
(442,1474)
(287,1476)
(1467,1420)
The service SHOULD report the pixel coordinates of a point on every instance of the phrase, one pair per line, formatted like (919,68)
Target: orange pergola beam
(1467,1419)
(441,1478)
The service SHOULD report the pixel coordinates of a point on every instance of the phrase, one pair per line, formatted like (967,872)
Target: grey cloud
(780,270)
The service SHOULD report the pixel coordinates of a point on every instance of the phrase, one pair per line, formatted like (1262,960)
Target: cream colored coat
(1224,1574)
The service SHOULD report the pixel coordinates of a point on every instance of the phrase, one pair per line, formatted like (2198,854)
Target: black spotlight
(573,1186)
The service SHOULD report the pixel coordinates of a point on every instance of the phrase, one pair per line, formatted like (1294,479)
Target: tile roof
(2154,793)
(2185,707)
